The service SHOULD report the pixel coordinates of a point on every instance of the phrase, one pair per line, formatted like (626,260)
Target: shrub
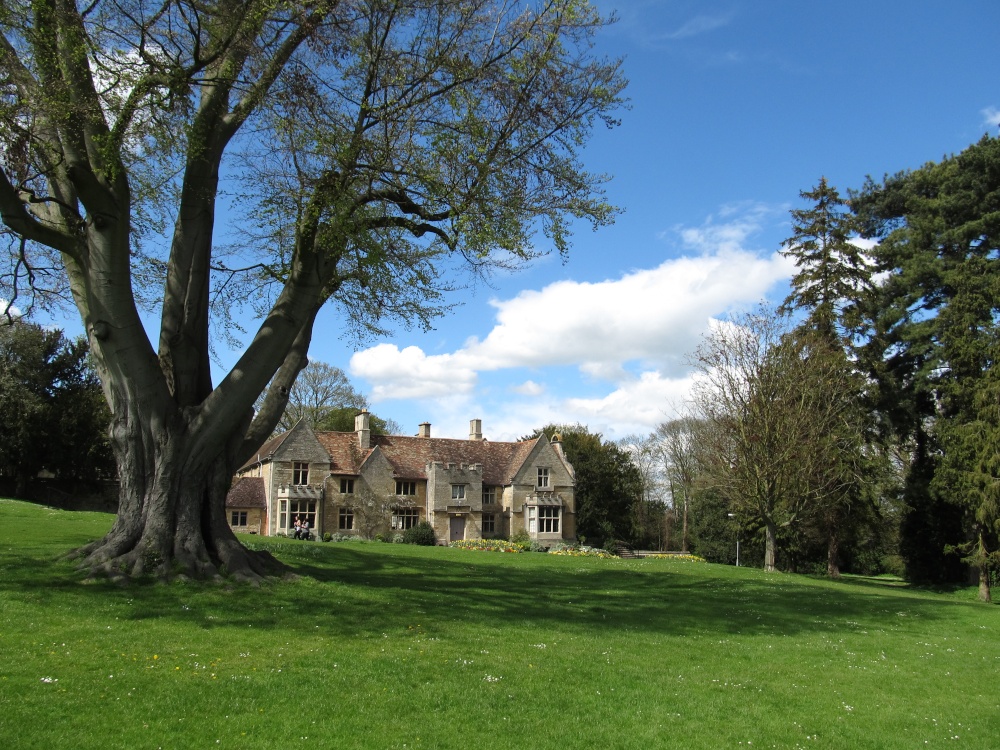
(422,533)
(327,537)
(397,538)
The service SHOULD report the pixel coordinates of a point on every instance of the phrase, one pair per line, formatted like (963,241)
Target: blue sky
(735,107)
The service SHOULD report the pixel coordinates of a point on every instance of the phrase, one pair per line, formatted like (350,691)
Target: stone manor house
(357,483)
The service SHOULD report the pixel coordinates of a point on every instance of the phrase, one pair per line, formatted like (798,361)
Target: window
(458,492)
(405,518)
(282,515)
(238,518)
(489,523)
(489,495)
(406,488)
(548,519)
(304,510)
(543,477)
(346,520)
(300,473)
(346,486)
(543,519)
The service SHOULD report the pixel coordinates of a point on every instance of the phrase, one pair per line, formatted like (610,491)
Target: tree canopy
(360,151)
(53,414)
(933,344)
(608,488)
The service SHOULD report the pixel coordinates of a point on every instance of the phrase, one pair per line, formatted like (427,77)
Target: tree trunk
(984,583)
(833,553)
(684,530)
(770,545)
(171,513)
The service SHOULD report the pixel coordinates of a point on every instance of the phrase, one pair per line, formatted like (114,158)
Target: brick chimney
(362,425)
(424,430)
(475,429)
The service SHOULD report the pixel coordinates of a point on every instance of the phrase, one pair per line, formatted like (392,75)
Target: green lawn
(393,646)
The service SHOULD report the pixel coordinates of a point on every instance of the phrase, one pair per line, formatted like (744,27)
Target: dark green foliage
(608,485)
(832,271)
(53,413)
(932,345)
(422,533)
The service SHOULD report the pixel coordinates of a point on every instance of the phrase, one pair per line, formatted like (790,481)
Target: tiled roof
(409,456)
(265,451)
(248,492)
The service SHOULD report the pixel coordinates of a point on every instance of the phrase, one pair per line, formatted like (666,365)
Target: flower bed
(572,551)
(489,545)
(682,558)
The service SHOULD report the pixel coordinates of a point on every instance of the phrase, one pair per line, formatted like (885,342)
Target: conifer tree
(832,273)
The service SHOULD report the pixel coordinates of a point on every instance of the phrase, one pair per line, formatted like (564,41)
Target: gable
(300,444)
(544,454)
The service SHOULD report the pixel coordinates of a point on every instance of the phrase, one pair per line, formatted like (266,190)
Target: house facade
(356,483)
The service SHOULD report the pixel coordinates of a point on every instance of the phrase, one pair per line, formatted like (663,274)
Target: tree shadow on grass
(363,590)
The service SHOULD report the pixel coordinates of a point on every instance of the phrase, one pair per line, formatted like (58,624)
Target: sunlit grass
(386,646)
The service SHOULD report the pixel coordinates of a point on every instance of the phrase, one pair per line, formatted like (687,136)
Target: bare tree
(775,409)
(677,444)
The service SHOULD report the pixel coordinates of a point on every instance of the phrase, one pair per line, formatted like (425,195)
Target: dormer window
(300,473)
(543,478)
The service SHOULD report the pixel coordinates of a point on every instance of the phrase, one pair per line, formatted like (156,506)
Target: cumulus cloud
(633,332)
(409,373)
(528,388)
(636,406)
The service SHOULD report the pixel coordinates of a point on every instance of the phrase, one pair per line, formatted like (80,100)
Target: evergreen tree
(608,485)
(832,274)
(51,408)
(832,271)
(933,344)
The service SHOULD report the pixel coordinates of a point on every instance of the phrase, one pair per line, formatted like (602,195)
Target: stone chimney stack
(425,430)
(475,429)
(362,425)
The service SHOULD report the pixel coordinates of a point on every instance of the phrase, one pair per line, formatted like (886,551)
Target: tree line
(857,425)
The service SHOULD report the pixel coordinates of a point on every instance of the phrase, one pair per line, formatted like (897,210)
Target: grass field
(393,646)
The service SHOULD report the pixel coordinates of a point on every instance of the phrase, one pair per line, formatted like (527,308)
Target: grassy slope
(385,646)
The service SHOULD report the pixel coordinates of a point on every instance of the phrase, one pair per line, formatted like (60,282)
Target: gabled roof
(248,492)
(409,456)
(265,452)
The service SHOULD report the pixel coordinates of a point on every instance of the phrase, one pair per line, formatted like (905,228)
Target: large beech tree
(358,148)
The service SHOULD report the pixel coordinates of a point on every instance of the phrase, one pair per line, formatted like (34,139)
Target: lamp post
(733,516)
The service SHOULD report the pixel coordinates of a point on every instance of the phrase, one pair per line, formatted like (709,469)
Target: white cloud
(991,117)
(409,373)
(634,331)
(699,25)
(529,388)
(636,406)
(7,309)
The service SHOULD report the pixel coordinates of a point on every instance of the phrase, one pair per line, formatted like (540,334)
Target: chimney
(475,429)
(362,425)
(425,430)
